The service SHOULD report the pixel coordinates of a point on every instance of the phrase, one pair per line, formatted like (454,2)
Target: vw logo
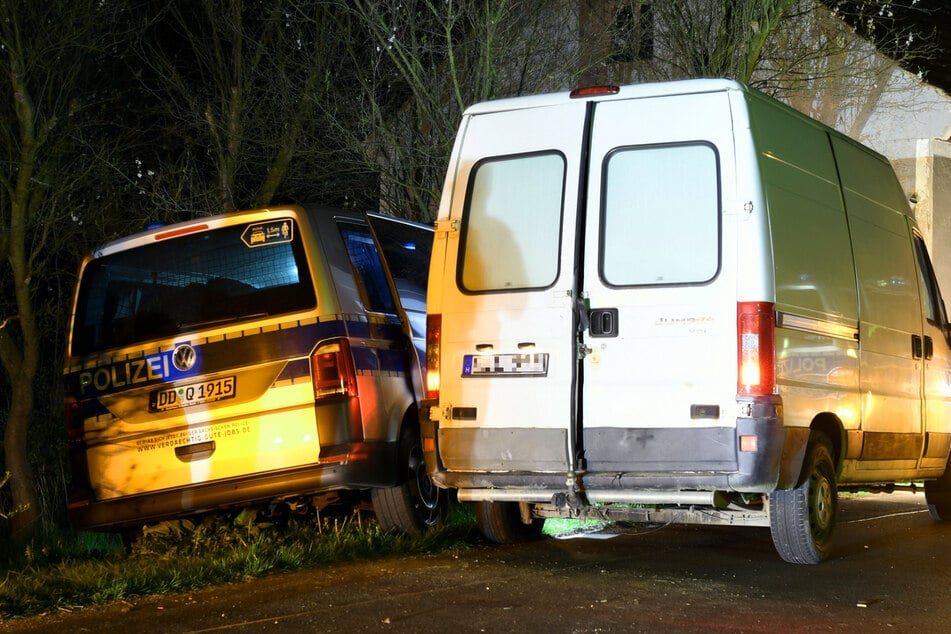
(184,358)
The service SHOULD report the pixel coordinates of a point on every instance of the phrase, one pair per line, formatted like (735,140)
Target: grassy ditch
(71,570)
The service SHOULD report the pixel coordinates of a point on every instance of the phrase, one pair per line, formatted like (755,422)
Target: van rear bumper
(375,465)
(623,460)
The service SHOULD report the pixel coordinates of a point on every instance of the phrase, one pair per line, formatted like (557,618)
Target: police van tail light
(74,420)
(332,370)
(756,351)
(433,337)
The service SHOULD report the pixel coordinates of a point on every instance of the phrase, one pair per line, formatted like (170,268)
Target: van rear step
(643,514)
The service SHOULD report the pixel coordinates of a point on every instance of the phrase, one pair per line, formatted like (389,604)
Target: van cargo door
(508,346)
(659,380)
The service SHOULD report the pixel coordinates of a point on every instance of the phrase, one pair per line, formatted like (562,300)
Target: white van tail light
(756,368)
(433,336)
(332,370)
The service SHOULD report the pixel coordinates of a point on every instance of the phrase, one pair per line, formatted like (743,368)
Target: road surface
(891,572)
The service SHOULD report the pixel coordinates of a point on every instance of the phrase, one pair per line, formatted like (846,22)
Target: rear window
(179,285)
(661,216)
(512,223)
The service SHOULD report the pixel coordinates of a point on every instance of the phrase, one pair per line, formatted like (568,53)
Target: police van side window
(367,268)
(656,197)
(408,250)
(512,223)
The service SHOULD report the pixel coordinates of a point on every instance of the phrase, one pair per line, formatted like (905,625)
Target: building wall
(932,176)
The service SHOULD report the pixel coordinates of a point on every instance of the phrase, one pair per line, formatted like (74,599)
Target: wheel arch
(831,426)
(408,422)
(797,441)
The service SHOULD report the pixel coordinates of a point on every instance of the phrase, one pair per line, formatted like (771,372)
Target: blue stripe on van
(294,340)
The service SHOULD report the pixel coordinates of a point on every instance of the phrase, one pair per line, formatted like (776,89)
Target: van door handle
(929,347)
(603,322)
(917,349)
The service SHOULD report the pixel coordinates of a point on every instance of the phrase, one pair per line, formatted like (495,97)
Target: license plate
(532,364)
(192,394)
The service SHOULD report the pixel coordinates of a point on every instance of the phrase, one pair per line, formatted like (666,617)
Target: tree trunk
(25,510)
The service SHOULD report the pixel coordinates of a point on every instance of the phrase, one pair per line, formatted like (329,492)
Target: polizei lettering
(127,373)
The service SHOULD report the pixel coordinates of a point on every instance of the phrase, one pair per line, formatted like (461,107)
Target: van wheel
(501,522)
(938,496)
(416,504)
(802,520)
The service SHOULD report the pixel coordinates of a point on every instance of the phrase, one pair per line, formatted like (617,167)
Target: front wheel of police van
(802,519)
(416,504)
(507,522)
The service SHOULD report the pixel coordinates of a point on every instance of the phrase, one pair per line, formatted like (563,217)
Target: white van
(678,302)
(272,355)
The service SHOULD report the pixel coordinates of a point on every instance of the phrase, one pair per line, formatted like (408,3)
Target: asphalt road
(891,572)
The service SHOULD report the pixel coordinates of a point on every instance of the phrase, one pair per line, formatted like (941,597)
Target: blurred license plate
(192,394)
(533,364)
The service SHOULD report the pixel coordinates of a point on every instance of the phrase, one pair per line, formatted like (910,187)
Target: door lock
(603,322)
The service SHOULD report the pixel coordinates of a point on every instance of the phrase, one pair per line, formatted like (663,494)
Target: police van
(250,358)
(678,302)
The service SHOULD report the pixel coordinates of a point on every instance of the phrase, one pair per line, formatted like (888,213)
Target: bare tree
(423,62)
(427,60)
(826,68)
(695,38)
(44,62)
(238,81)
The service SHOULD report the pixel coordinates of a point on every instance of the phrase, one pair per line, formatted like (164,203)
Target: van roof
(632,91)
(207,222)
(656,89)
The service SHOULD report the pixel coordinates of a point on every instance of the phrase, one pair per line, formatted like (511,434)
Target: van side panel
(888,289)
(817,348)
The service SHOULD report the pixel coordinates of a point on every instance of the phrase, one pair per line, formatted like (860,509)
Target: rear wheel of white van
(938,496)
(416,504)
(802,520)
(505,522)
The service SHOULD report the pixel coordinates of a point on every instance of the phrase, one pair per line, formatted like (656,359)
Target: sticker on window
(265,233)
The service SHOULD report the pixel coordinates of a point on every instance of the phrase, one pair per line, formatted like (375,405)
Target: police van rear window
(192,282)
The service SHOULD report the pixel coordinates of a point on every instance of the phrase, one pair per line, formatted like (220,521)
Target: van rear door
(659,386)
(507,338)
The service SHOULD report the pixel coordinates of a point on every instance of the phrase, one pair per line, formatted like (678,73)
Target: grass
(66,570)
(63,569)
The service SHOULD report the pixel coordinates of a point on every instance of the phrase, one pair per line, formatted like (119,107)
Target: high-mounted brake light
(594,91)
(433,337)
(333,371)
(174,233)
(756,352)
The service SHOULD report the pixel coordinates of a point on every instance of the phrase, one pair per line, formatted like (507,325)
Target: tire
(938,496)
(802,520)
(416,504)
(501,522)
